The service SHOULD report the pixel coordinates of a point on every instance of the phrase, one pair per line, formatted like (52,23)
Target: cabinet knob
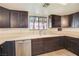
(1,46)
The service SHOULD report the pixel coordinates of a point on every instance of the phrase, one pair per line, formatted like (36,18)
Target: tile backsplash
(70,29)
(27,31)
(35,32)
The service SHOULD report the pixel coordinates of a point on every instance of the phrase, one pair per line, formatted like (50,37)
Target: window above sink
(38,22)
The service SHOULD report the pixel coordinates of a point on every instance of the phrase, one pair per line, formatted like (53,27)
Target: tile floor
(62,52)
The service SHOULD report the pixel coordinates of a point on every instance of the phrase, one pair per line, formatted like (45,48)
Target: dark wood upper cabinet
(74,20)
(4,18)
(19,19)
(13,18)
(70,20)
(55,21)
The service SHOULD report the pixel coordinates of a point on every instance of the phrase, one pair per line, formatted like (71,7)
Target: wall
(64,21)
(28,32)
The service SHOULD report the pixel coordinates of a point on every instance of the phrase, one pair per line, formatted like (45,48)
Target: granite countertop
(23,36)
(11,37)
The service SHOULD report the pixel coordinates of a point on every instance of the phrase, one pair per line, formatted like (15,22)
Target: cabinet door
(4,49)
(48,45)
(65,41)
(24,20)
(19,19)
(14,18)
(8,48)
(71,23)
(4,18)
(0,50)
(72,44)
(56,21)
(37,47)
(73,47)
(74,20)
(52,44)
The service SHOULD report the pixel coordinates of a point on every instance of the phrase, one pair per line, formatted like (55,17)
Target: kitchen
(39,29)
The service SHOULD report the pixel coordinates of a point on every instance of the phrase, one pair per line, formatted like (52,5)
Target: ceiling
(38,9)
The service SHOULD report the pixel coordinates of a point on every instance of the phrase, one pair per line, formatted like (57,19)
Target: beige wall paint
(64,21)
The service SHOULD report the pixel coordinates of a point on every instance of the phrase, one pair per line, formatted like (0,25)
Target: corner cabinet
(4,18)
(72,44)
(7,48)
(55,21)
(18,19)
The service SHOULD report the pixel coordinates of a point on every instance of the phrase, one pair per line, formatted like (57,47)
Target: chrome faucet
(40,31)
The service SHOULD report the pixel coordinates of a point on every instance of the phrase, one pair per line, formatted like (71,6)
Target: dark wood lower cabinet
(8,48)
(44,45)
(40,45)
(0,51)
(72,44)
(51,44)
(73,47)
(37,46)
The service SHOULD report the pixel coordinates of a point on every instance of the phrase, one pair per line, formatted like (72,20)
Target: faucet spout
(40,32)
